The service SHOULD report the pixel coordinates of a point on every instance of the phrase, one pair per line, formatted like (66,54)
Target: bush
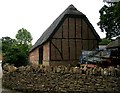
(15,56)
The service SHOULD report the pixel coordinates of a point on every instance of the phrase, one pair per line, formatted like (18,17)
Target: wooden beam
(82,33)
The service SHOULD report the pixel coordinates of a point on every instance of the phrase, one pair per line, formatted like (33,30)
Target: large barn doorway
(40,55)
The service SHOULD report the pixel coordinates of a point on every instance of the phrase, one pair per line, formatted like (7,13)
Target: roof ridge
(71,7)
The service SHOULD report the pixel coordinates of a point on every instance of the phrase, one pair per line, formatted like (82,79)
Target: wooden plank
(84,30)
(65,28)
(79,47)
(53,51)
(71,27)
(58,33)
(72,49)
(78,28)
(65,49)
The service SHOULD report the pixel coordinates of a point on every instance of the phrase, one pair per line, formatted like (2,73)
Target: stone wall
(63,79)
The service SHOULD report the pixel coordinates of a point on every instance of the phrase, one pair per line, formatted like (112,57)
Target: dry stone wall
(63,79)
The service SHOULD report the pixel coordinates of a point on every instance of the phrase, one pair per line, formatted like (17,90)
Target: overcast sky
(37,15)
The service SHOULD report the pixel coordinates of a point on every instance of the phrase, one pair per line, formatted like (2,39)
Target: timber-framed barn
(63,41)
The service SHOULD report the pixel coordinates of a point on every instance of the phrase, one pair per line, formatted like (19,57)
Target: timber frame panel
(64,43)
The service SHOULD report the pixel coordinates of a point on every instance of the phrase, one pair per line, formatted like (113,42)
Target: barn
(65,38)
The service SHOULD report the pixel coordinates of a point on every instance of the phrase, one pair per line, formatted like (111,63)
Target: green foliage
(15,51)
(110,20)
(24,40)
(15,56)
(7,44)
(24,37)
(104,41)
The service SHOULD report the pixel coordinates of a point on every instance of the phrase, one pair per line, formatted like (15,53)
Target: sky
(37,15)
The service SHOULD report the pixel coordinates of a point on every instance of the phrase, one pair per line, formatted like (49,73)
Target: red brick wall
(34,56)
(46,52)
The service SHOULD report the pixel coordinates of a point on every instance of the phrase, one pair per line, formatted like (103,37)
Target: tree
(16,50)
(15,56)
(7,43)
(104,41)
(117,14)
(24,37)
(24,40)
(110,20)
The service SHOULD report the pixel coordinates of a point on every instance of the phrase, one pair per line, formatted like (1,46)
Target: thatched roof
(70,11)
(114,44)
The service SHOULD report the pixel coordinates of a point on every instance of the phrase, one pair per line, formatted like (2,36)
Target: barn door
(40,55)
